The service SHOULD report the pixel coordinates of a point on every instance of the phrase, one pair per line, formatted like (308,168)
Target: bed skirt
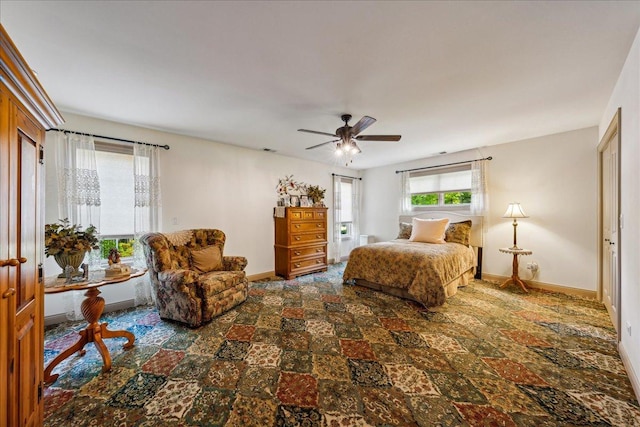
(450,289)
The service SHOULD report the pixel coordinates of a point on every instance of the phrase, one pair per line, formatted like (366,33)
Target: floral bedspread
(422,269)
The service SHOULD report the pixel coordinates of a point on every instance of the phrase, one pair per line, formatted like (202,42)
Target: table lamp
(514,210)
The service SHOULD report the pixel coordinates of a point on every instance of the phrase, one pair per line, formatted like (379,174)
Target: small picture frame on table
(304,202)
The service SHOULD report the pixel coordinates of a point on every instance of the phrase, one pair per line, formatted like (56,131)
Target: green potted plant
(68,243)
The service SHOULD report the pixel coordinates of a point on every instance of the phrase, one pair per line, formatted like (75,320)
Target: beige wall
(626,96)
(207,184)
(554,179)
(204,184)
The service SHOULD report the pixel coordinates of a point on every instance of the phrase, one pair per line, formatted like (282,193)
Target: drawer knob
(297,265)
(297,225)
(297,238)
(297,252)
(318,250)
(9,293)
(319,225)
(318,236)
(318,261)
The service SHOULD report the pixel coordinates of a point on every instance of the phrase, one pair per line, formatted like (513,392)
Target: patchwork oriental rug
(315,352)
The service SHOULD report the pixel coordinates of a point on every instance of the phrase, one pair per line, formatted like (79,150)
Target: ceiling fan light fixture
(347,135)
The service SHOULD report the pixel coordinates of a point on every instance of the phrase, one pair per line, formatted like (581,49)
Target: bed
(427,273)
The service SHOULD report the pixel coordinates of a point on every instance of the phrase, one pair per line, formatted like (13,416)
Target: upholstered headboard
(476,222)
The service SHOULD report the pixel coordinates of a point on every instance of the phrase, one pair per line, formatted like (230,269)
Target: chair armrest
(181,280)
(234,263)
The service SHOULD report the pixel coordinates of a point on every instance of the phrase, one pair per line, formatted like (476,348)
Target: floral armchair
(192,280)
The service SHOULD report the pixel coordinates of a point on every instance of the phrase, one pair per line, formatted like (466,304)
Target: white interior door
(610,244)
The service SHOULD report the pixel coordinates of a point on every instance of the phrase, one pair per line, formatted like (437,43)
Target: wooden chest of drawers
(301,242)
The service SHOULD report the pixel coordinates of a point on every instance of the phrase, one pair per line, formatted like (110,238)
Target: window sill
(456,208)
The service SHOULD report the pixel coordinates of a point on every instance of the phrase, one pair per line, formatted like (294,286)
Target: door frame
(614,128)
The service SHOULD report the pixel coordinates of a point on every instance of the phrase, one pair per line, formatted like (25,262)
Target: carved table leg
(91,308)
(106,333)
(77,346)
(506,282)
(521,283)
(515,279)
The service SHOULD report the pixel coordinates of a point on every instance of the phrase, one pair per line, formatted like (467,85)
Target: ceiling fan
(349,135)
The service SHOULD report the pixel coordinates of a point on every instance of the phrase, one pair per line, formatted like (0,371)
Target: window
(115,171)
(346,214)
(442,187)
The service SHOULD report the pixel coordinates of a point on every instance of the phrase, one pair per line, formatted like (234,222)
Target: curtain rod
(447,164)
(345,176)
(166,147)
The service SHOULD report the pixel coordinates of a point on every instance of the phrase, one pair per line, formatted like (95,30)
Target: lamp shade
(514,210)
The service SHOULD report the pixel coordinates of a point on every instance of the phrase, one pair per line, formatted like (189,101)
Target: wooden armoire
(25,113)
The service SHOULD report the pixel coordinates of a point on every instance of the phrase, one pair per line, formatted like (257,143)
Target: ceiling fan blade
(320,145)
(318,133)
(364,123)
(392,138)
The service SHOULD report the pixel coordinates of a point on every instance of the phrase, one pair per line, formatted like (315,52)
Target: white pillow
(428,230)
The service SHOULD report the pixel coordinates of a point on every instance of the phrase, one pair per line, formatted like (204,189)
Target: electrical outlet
(533,266)
(629,328)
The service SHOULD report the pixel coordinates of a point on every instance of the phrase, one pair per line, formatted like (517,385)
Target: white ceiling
(447,76)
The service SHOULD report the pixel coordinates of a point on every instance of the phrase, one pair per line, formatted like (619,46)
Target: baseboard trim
(260,276)
(269,274)
(633,378)
(62,317)
(545,286)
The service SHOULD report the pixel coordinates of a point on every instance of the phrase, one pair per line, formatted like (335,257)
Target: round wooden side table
(91,308)
(515,278)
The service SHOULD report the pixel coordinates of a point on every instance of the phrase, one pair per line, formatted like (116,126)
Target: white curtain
(479,188)
(146,160)
(337,218)
(355,211)
(346,209)
(405,194)
(78,196)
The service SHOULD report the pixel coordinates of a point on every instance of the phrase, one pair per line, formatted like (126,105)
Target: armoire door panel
(28,221)
(25,350)
(26,374)
(25,112)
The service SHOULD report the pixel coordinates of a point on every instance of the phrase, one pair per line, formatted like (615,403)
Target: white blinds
(441,181)
(116,183)
(346,194)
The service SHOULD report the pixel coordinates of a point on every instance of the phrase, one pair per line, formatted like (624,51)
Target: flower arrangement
(288,186)
(63,238)
(288,189)
(315,193)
